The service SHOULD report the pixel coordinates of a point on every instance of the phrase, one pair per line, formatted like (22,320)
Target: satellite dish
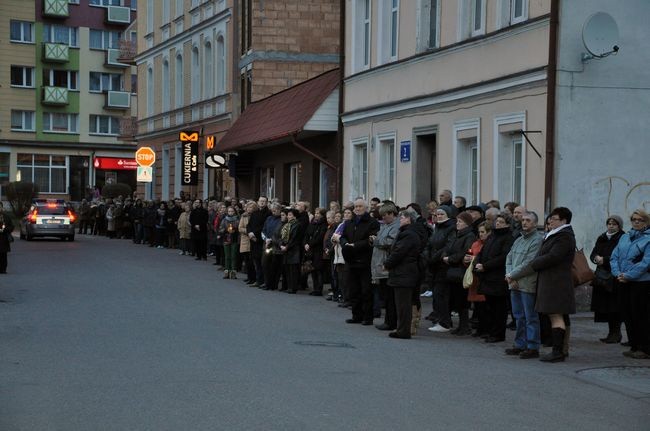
(600,35)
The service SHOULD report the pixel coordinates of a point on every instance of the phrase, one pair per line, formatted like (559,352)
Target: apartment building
(201,63)
(65,96)
(437,94)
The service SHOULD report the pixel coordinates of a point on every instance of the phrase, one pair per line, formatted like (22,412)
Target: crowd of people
(485,259)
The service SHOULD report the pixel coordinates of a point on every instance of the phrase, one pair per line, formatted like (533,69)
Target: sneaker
(438,328)
(529,354)
(427,294)
(181,253)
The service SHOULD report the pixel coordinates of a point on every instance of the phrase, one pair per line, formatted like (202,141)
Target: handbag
(603,279)
(455,274)
(580,271)
(470,279)
(306,267)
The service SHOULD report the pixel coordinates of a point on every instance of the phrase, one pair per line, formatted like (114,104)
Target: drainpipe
(550,107)
(339,136)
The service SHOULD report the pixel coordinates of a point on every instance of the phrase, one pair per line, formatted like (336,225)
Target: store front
(113,170)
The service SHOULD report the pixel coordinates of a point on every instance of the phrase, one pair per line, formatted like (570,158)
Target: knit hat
(465,217)
(617,219)
(447,209)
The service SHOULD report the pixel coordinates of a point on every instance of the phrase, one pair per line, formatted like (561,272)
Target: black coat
(314,237)
(458,246)
(553,266)
(5,245)
(402,260)
(255,226)
(436,247)
(605,301)
(357,250)
(199,216)
(493,258)
(605,247)
(292,254)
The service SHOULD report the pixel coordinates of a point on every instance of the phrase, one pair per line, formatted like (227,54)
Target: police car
(48,218)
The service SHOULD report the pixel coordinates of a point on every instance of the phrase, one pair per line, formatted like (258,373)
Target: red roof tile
(281,114)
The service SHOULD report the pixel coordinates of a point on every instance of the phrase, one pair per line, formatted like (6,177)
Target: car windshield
(52,210)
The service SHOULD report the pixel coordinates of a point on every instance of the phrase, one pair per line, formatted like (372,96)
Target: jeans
(230,252)
(527,335)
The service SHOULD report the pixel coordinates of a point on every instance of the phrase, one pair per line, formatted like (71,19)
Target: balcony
(57,96)
(118,100)
(127,52)
(118,15)
(55,8)
(112,56)
(55,53)
(128,128)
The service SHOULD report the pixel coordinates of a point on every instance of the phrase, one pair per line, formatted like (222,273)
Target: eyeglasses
(554,219)
(637,220)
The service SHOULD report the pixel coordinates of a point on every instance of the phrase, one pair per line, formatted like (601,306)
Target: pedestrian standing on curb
(6,227)
(402,264)
(254,231)
(313,249)
(478,300)
(161,225)
(382,243)
(84,217)
(270,264)
(245,242)
(630,264)
(555,295)
(291,244)
(184,229)
(199,222)
(229,235)
(523,289)
(604,297)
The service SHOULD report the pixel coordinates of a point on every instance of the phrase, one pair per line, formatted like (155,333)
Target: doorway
(79,182)
(425,173)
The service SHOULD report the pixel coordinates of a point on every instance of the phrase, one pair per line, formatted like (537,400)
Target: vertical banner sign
(190,149)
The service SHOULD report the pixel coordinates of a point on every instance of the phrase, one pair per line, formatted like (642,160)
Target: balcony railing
(55,96)
(55,53)
(55,8)
(118,100)
(118,15)
(128,128)
(112,56)
(127,52)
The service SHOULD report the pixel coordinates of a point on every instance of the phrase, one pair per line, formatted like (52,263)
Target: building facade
(65,98)
(201,63)
(437,94)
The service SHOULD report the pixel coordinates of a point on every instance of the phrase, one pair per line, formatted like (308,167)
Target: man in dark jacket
(444,228)
(254,230)
(199,222)
(403,270)
(357,252)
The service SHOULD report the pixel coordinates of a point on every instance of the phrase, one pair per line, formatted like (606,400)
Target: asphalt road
(103,334)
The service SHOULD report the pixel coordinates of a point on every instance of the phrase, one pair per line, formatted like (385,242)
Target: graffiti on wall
(633,195)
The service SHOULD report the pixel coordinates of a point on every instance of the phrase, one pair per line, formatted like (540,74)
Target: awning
(311,106)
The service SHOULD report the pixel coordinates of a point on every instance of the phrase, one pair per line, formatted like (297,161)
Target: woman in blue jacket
(630,264)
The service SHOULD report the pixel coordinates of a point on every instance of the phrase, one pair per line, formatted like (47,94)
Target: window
(22,121)
(517,170)
(394,23)
(362,35)
(165,11)
(386,171)
(179,8)
(73,1)
(473,173)
(55,33)
(61,78)
(428,25)
(388,30)
(61,123)
(104,125)
(295,172)
(178,82)
(221,65)
(21,31)
(165,87)
(360,170)
(467,160)
(101,82)
(518,12)
(107,2)
(49,172)
(22,76)
(267,182)
(196,75)
(208,72)
(150,12)
(134,4)
(101,39)
(150,94)
(477,17)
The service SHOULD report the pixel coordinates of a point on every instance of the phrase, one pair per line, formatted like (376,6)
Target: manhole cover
(635,379)
(324,344)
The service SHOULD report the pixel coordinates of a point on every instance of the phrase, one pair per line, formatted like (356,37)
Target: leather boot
(464,327)
(565,344)
(415,320)
(233,275)
(557,354)
(614,335)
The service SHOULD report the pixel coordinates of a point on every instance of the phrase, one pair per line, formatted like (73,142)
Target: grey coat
(523,251)
(381,246)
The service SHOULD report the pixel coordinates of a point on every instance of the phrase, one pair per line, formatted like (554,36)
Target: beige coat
(244,241)
(184,228)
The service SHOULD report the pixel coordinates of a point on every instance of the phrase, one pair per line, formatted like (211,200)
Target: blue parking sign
(405,151)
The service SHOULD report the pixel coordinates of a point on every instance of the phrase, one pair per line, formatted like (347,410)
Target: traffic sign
(145,174)
(145,156)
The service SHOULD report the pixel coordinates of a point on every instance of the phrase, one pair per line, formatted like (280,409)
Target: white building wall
(602,129)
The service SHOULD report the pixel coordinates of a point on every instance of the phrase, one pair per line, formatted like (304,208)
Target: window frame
(22,32)
(72,120)
(49,31)
(102,3)
(101,82)
(25,69)
(472,16)
(23,121)
(524,11)
(97,125)
(50,166)
(69,74)
(107,40)
(359,168)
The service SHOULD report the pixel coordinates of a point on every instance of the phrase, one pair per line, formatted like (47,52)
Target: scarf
(286,229)
(556,230)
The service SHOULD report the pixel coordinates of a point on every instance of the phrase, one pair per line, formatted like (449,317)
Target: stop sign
(145,156)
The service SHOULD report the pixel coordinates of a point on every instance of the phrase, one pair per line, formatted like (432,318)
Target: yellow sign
(145,156)
(209,142)
(189,136)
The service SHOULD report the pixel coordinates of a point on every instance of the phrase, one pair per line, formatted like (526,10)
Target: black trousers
(272,264)
(635,304)
(3,262)
(388,295)
(404,308)
(441,293)
(201,247)
(360,292)
(293,276)
(496,315)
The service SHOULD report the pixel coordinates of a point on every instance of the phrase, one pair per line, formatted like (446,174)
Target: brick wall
(270,77)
